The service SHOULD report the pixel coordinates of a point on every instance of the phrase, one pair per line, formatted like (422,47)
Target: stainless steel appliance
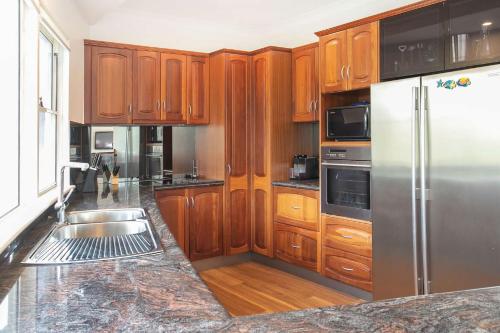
(345,181)
(154,160)
(305,167)
(348,123)
(436,183)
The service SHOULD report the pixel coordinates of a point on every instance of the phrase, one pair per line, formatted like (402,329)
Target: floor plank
(251,288)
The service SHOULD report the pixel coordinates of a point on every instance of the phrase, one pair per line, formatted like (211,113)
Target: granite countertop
(308,184)
(164,293)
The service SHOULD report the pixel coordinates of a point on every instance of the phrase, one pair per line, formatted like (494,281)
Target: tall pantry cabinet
(273,139)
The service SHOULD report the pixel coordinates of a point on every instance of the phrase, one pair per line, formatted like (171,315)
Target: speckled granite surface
(310,184)
(163,293)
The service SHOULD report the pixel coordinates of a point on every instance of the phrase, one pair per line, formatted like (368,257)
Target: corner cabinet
(349,59)
(273,139)
(111,86)
(305,92)
(194,217)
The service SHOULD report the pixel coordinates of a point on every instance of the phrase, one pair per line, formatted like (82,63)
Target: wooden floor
(251,288)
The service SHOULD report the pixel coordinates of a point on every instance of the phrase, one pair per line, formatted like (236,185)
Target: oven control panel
(348,153)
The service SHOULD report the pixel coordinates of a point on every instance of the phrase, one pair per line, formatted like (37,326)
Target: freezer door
(394,159)
(463,219)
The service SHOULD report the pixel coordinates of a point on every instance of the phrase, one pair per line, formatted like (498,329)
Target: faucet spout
(62,202)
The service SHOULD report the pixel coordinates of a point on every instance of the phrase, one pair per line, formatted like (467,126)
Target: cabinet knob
(348,72)
(229,170)
(342,72)
(130,108)
(192,202)
(190,109)
(347,269)
(295,207)
(158,105)
(346,236)
(295,246)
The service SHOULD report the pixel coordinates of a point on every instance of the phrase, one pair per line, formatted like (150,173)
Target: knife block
(89,183)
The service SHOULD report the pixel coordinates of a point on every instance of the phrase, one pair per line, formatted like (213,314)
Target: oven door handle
(347,165)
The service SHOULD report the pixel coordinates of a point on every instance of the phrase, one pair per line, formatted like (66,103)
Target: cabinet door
(261,191)
(297,207)
(197,94)
(296,246)
(362,56)
(205,222)
(173,206)
(305,85)
(333,62)
(348,268)
(474,33)
(146,86)
(238,214)
(173,87)
(111,86)
(412,43)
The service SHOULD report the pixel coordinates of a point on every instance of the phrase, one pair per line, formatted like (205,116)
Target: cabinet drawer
(348,268)
(347,235)
(299,208)
(295,245)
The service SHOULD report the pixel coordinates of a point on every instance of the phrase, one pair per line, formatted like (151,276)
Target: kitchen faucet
(62,202)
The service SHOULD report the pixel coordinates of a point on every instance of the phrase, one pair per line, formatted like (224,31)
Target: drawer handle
(295,246)
(346,236)
(295,207)
(347,269)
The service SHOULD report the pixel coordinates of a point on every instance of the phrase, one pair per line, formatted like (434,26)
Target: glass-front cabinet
(450,35)
(474,33)
(412,43)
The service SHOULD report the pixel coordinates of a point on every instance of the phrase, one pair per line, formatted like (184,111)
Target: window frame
(55,101)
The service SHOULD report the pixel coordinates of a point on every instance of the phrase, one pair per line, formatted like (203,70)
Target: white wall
(31,203)
(67,17)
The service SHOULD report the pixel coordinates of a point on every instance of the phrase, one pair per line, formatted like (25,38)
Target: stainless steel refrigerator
(436,183)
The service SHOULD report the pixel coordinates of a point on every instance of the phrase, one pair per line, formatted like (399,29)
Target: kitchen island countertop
(164,293)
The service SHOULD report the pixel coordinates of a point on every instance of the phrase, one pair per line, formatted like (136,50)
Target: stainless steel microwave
(348,123)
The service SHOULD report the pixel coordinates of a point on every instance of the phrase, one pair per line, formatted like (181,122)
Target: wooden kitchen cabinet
(349,59)
(274,138)
(147,106)
(198,90)
(297,207)
(194,217)
(305,79)
(174,208)
(347,250)
(173,87)
(205,222)
(111,85)
(295,245)
(348,268)
(237,153)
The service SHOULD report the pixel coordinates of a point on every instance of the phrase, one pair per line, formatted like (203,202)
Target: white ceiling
(207,25)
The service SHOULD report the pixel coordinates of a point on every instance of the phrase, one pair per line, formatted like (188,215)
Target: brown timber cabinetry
(347,250)
(127,84)
(273,140)
(111,85)
(305,89)
(349,59)
(194,216)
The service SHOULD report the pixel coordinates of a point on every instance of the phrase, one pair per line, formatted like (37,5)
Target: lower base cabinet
(194,217)
(296,245)
(347,251)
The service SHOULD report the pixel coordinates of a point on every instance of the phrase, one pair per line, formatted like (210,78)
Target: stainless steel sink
(97,235)
(105,215)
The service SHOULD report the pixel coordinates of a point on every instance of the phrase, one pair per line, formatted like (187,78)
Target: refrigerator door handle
(423,138)
(415,196)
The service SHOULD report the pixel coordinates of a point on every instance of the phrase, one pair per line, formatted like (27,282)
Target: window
(9,126)
(48,92)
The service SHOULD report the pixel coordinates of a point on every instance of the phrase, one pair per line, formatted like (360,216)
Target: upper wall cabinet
(349,59)
(111,86)
(305,84)
(197,90)
(412,43)
(127,84)
(173,87)
(147,106)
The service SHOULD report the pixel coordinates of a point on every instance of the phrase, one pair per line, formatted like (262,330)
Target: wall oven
(345,182)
